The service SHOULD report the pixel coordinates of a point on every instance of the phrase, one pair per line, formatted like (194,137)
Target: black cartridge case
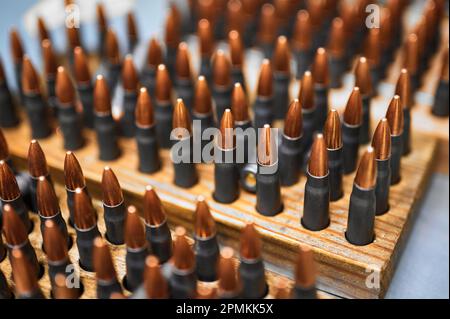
(106,130)
(361,216)
(114,221)
(182,283)
(85,243)
(365,131)
(396,157)
(185,91)
(8,112)
(222,98)
(5,291)
(304,60)
(171,55)
(309,128)
(205,69)
(268,190)
(280,94)
(85,93)
(335,175)
(128,122)
(113,72)
(406,131)
(18,78)
(226,176)
(38,116)
(321,98)
(163,120)
(290,155)
(184,169)
(159,240)
(242,140)
(304,293)
(263,111)
(206,121)
(148,79)
(51,95)
(106,288)
(135,264)
(71,127)
(253,278)
(148,149)
(440,106)
(248,177)
(350,139)
(337,69)
(237,76)
(383,186)
(206,255)
(316,207)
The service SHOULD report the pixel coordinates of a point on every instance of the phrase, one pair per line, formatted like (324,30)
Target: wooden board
(342,266)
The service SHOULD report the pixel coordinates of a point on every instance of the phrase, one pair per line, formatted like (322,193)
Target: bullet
(16,237)
(73,179)
(50,69)
(85,224)
(316,11)
(282,290)
(5,290)
(69,120)
(113,62)
(251,10)
(268,188)
(386,32)
(137,250)
(242,122)
(61,290)
(237,58)
(156,227)
(147,145)
(48,209)
(132,32)
(155,284)
(302,43)
(381,143)
(337,44)
(183,278)
(36,108)
(226,174)
(206,247)
(84,86)
(172,34)
(281,77)
(333,139)
(10,195)
(206,44)
(203,110)
(403,90)
(251,268)
(420,30)
(102,28)
(411,60)
(396,8)
(130,83)
(73,41)
(154,58)
(394,116)
(229,286)
(234,16)
(372,52)
(105,125)
(351,126)
(290,150)
(305,275)
(104,270)
(183,76)
(348,12)
(163,106)
(222,85)
(267,29)
(185,172)
(440,105)
(263,107)
(316,207)
(17,54)
(57,256)
(37,167)
(306,98)
(362,209)
(8,111)
(26,281)
(363,80)
(321,84)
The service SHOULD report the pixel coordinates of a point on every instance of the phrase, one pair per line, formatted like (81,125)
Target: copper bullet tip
(173,27)
(13,227)
(366,175)
(112,51)
(320,67)
(9,190)
(305,268)
(265,82)
(394,116)
(293,124)
(306,92)
(154,213)
(250,243)
(84,213)
(332,131)
(17,50)
(206,38)
(363,80)
(102,21)
(205,226)
(381,141)
(318,160)
(221,69)
(81,68)
(73,37)
(154,53)
(37,164)
(144,109)
(132,29)
(30,79)
(372,48)
(47,201)
(403,89)
(234,15)
(267,24)
(411,54)
(301,39)
(65,90)
(202,97)
(183,62)
(236,49)
(337,38)
(55,244)
(155,284)
(130,79)
(163,85)
(134,230)
(102,261)
(50,63)
(267,151)
(102,99)
(112,192)
(239,104)
(73,175)
(353,110)
(4,150)
(181,120)
(281,56)
(228,280)
(183,256)
(24,276)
